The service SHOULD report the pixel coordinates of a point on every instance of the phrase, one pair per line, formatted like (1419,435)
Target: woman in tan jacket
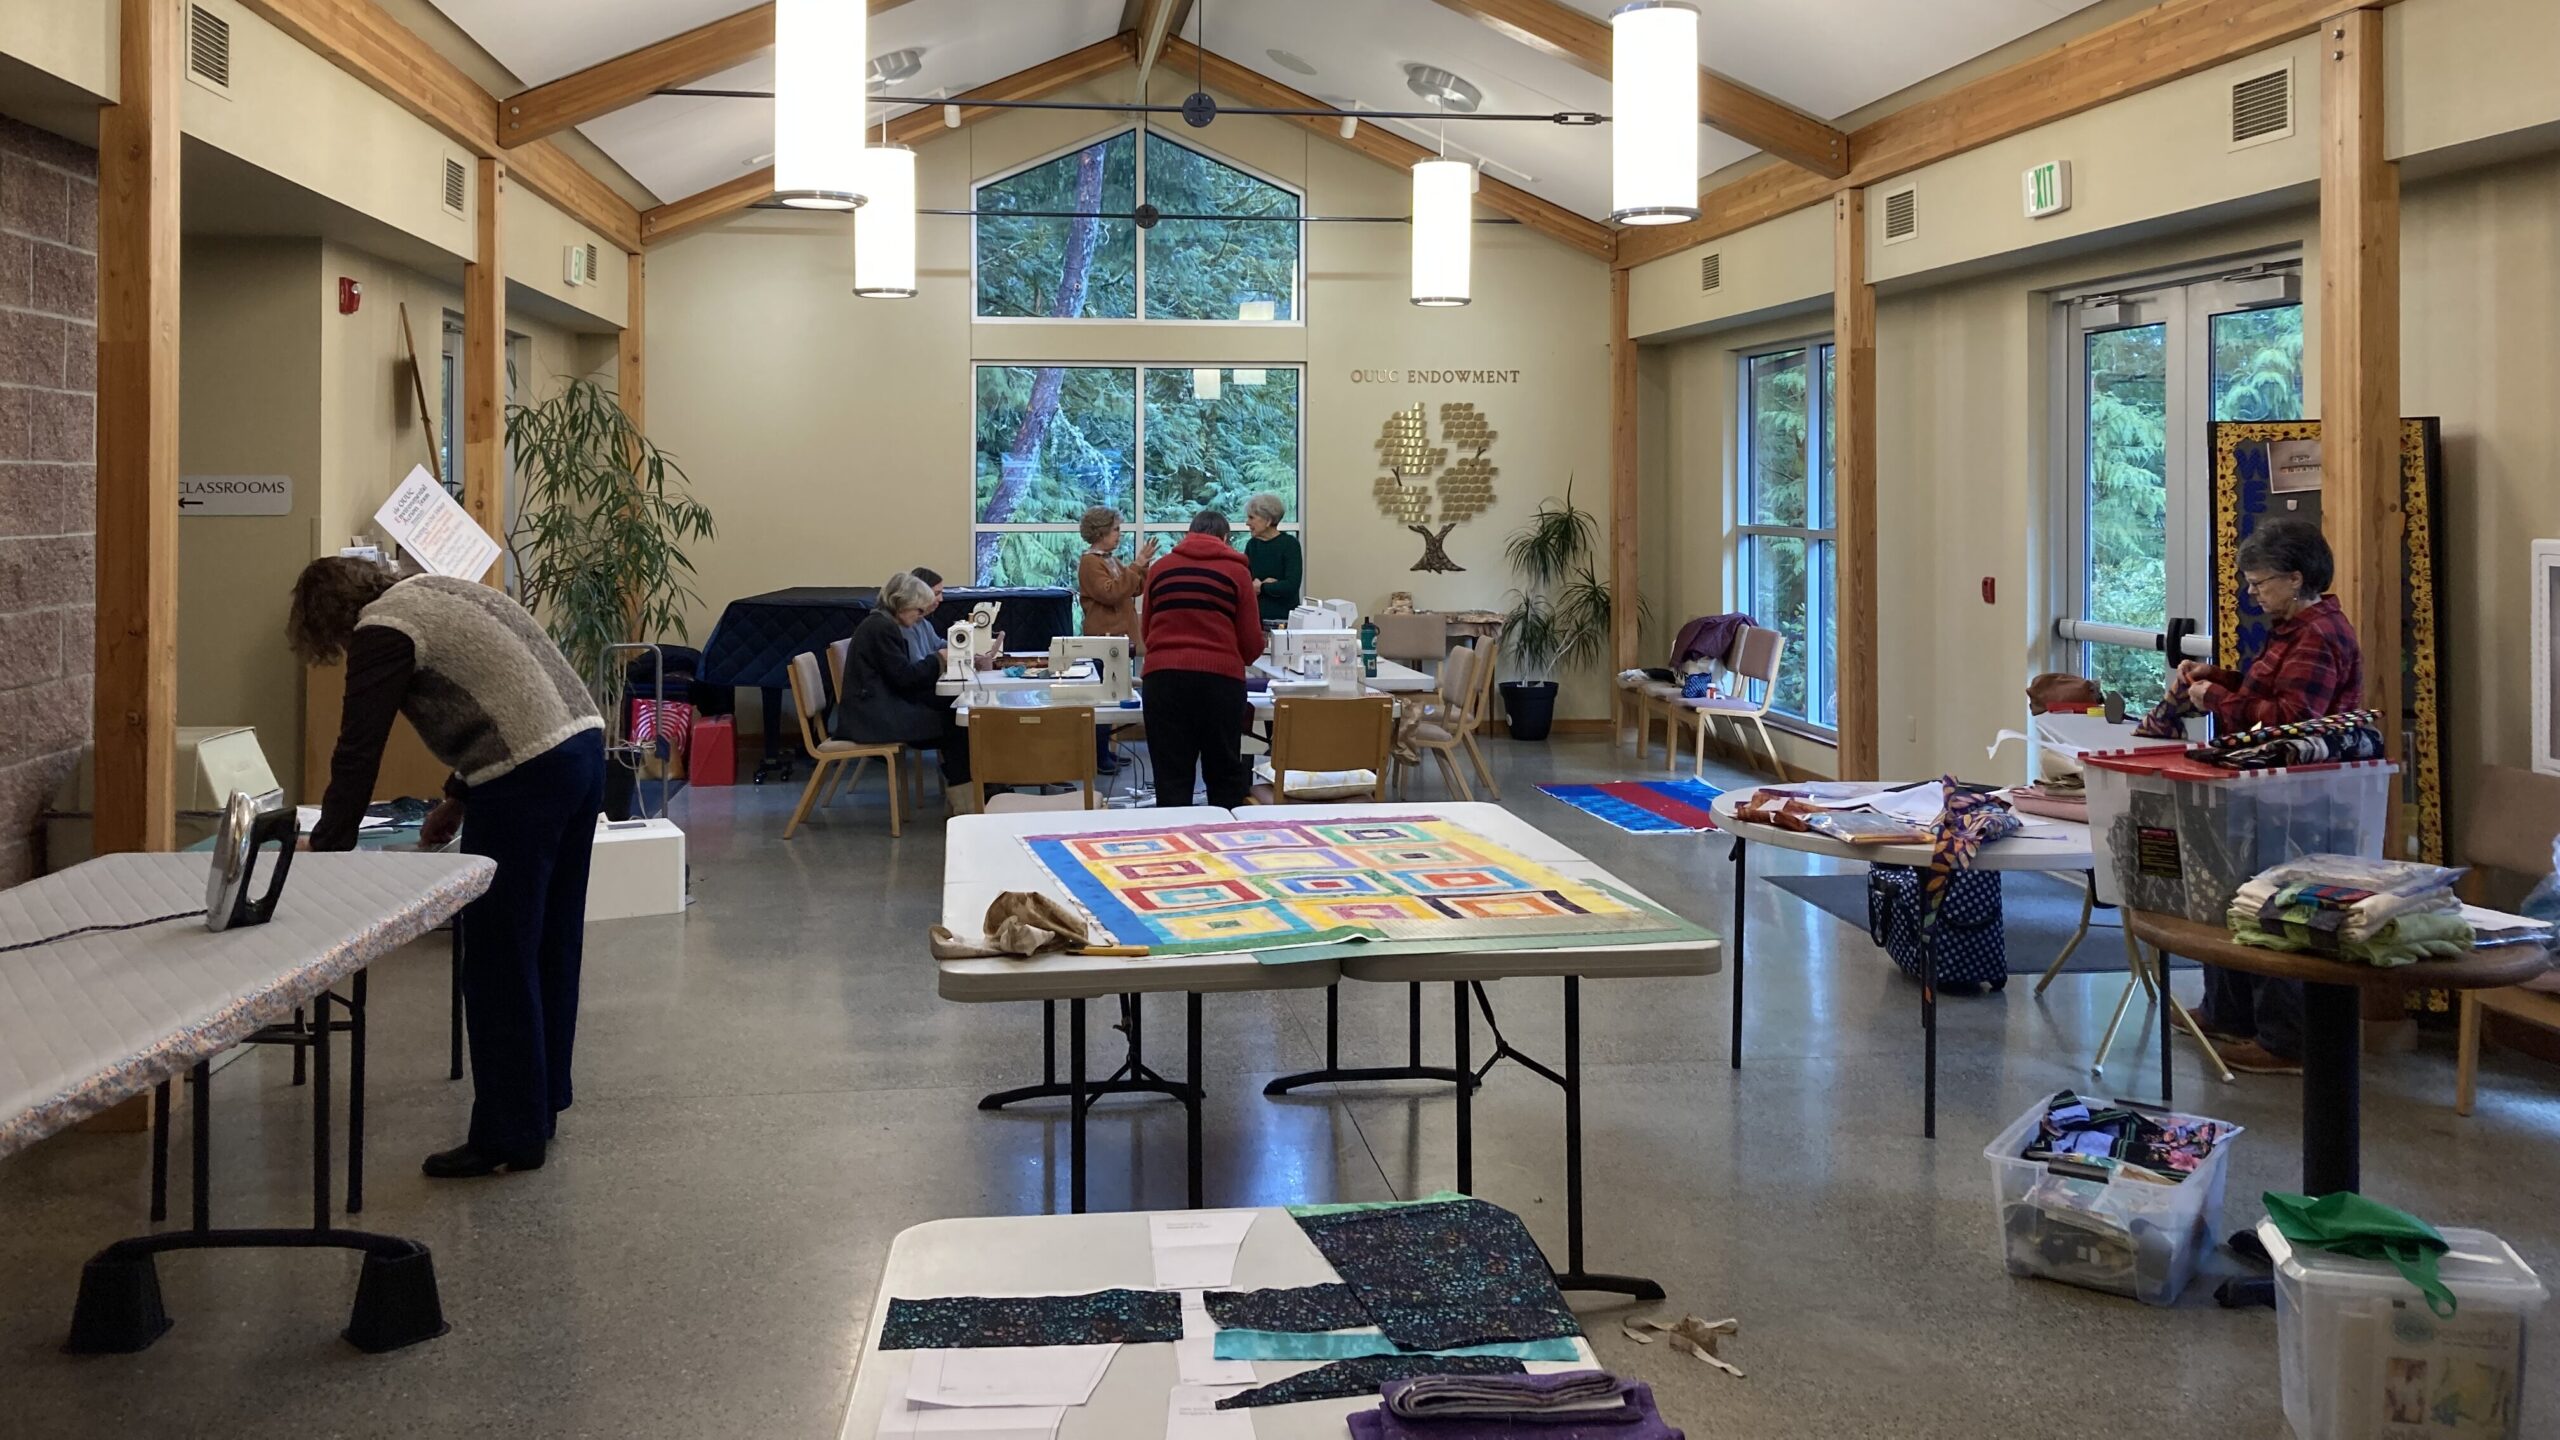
(1109,588)
(1106,584)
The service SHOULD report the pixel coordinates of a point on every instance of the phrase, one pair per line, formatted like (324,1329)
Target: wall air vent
(2262,107)
(1901,214)
(209,50)
(1711,272)
(592,259)
(457,187)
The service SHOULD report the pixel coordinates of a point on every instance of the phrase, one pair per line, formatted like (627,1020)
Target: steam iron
(249,822)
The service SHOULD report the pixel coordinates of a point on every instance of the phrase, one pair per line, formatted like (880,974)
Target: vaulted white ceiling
(1827,57)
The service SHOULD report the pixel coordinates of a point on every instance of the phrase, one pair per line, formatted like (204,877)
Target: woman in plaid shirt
(2310,667)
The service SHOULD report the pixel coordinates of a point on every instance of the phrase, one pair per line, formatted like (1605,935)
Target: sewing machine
(1315,662)
(1112,683)
(969,641)
(1325,615)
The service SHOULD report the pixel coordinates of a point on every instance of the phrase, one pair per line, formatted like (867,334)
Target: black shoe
(1106,765)
(469,1162)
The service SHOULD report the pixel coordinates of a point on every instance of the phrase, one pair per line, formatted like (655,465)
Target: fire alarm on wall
(350,294)
(1990,590)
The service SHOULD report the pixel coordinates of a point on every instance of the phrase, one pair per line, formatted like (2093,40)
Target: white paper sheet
(1191,1413)
(1008,1375)
(899,1422)
(306,818)
(2497,927)
(1196,1249)
(1197,1356)
(436,532)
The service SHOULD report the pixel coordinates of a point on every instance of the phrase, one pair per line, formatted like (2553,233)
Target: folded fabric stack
(2059,797)
(2355,735)
(1574,1405)
(2374,912)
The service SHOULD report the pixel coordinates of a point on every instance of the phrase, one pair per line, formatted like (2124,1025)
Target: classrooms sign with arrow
(234,495)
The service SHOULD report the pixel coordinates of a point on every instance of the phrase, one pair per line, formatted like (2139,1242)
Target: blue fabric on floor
(2039,912)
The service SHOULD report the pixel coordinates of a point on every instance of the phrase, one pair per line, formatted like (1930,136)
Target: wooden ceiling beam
(1047,78)
(1736,109)
(1563,226)
(2167,42)
(359,38)
(609,85)
(1150,21)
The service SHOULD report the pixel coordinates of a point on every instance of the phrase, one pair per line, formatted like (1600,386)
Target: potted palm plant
(1559,617)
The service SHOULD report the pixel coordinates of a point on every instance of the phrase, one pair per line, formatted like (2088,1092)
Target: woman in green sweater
(1279,566)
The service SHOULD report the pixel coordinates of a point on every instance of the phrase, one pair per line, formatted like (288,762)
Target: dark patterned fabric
(1301,1311)
(1439,1276)
(1366,1376)
(970,1322)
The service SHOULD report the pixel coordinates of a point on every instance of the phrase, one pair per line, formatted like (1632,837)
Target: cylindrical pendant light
(1443,231)
(1653,119)
(818,99)
(884,229)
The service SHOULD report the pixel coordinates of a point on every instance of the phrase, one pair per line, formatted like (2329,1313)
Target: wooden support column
(2361,504)
(1624,595)
(631,368)
(484,361)
(1853,479)
(137,654)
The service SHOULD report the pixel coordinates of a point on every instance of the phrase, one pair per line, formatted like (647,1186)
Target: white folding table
(111,987)
(2059,846)
(1078,1254)
(986,857)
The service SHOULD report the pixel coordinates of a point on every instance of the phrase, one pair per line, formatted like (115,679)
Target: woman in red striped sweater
(1202,628)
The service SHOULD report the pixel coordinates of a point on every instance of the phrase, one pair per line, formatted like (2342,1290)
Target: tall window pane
(1233,268)
(1777,450)
(1217,450)
(1052,440)
(1038,264)
(2128,517)
(1822,471)
(1780,589)
(2257,364)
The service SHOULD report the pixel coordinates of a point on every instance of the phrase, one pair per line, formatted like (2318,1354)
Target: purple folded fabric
(1637,1421)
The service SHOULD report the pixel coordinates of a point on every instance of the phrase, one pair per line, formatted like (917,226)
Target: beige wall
(832,436)
(250,397)
(71,40)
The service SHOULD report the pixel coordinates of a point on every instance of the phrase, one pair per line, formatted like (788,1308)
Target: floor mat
(1644,807)
(2039,912)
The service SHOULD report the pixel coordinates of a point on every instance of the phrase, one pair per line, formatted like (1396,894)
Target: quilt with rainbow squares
(1263,884)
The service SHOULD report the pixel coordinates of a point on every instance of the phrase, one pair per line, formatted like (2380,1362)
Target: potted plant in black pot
(1559,617)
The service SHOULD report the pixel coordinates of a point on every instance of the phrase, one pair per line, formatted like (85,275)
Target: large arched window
(1051,244)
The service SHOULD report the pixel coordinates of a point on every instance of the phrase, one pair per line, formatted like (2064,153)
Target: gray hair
(2285,546)
(905,592)
(1099,521)
(1267,506)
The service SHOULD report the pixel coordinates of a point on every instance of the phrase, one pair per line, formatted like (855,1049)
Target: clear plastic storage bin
(2180,837)
(2365,1359)
(2122,1235)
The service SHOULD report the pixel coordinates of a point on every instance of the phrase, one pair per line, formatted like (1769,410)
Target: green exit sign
(2048,188)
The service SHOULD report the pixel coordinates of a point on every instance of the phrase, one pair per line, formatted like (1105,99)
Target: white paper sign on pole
(235,495)
(436,532)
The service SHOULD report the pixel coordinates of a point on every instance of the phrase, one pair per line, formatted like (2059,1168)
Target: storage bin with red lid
(2178,836)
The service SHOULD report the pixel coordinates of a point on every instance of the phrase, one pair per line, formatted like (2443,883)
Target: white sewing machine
(1112,683)
(1315,662)
(1325,615)
(969,640)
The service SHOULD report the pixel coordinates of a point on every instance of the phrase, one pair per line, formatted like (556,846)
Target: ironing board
(93,1020)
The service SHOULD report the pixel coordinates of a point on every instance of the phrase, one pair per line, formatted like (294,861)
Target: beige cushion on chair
(1013,800)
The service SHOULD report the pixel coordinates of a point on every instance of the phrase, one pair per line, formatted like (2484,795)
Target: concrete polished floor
(769,1091)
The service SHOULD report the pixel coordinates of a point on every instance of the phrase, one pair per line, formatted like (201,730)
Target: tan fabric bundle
(1019,925)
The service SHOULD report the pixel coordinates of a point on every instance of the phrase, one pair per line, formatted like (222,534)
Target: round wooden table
(2332,1019)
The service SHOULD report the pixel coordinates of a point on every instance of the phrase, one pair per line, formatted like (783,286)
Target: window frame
(1818,483)
(1298,274)
(1134,524)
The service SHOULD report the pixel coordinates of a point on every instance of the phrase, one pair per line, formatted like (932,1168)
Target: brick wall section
(48,478)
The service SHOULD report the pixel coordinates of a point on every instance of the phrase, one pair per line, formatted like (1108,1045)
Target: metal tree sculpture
(1416,477)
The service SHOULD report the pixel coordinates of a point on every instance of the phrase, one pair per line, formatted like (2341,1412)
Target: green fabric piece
(2404,941)
(1346,1207)
(2349,1224)
(1352,1344)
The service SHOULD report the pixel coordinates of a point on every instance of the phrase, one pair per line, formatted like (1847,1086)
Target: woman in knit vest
(1202,630)
(493,698)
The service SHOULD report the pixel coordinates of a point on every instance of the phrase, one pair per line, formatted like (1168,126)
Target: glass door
(2149,369)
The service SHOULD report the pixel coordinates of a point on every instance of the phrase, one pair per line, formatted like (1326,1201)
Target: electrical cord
(96,929)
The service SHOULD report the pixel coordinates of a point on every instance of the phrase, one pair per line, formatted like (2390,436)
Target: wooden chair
(1312,736)
(828,757)
(1448,723)
(2514,816)
(1030,747)
(1757,656)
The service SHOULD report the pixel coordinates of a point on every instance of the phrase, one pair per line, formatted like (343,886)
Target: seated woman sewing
(888,690)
